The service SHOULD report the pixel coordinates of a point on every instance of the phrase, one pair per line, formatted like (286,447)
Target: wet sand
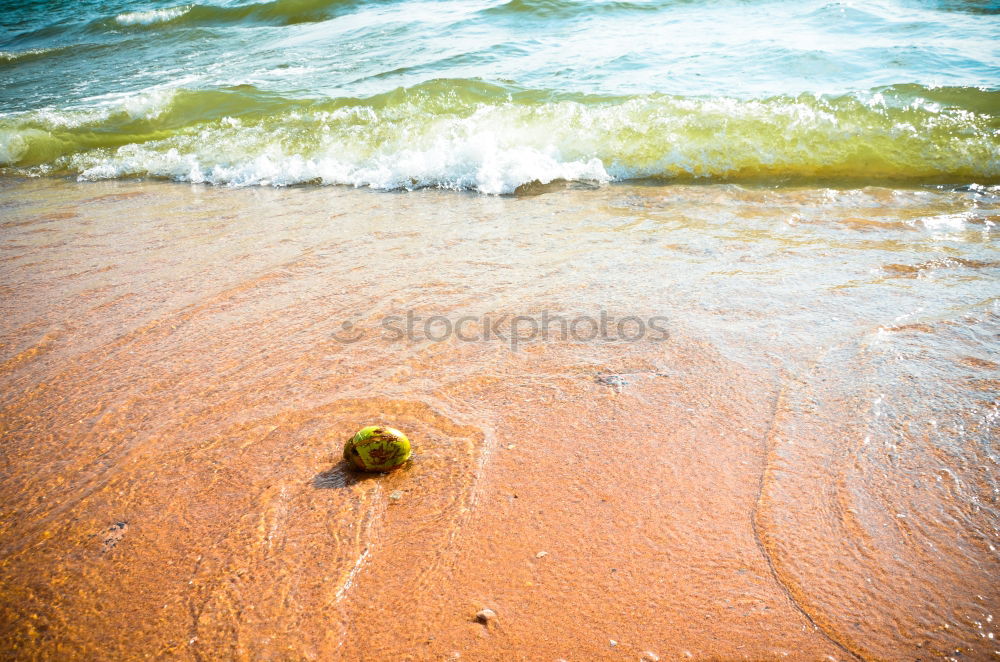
(804,470)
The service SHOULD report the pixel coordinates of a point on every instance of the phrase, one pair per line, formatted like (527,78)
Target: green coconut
(377,448)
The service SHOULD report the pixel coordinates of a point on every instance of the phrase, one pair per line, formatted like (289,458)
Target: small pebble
(511,447)
(650,656)
(486,616)
(613,643)
(397,495)
(541,554)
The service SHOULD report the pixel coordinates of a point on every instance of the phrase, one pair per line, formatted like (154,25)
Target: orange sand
(174,405)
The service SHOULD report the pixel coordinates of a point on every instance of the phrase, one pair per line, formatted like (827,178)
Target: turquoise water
(494,95)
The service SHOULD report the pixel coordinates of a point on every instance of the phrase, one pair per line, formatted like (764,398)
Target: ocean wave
(276,12)
(152,16)
(10,57)
(570,8)
(472,135)
(987,7)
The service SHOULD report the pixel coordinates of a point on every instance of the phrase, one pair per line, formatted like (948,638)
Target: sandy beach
(802,468)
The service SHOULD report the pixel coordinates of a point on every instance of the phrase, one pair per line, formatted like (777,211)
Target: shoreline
(985,186)
(763,484)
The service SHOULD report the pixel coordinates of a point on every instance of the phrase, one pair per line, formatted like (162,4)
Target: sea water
(492,95)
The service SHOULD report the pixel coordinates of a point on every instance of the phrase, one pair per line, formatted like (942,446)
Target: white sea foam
(492,151)
(13,145)
(946,221)
(152,16)
(478,165)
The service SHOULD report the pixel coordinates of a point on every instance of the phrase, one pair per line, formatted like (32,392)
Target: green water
(494,95)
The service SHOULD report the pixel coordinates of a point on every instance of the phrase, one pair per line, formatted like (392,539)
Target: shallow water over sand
(805,468)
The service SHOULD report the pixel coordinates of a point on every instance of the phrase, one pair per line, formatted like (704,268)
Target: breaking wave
(467,134)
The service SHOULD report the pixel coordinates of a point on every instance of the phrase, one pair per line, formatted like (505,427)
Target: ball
(377,448)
